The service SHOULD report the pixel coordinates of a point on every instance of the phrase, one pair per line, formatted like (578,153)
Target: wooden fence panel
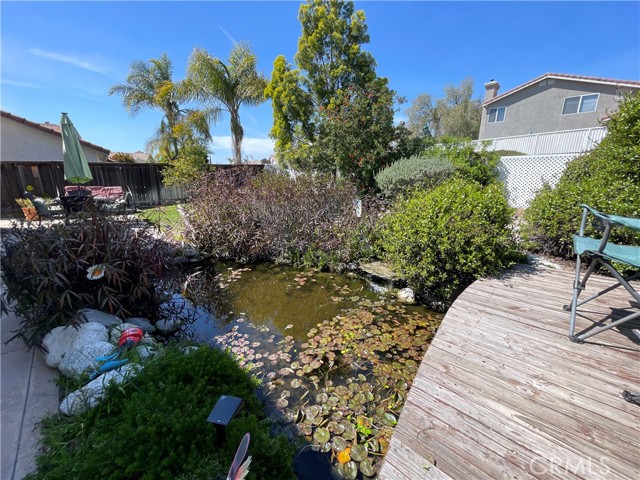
(143,179)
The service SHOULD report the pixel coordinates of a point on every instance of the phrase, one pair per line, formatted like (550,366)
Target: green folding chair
(603,252)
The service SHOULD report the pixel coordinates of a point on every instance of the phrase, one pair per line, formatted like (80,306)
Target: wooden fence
(144,181)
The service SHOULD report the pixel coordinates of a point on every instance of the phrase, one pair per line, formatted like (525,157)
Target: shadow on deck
(503,393)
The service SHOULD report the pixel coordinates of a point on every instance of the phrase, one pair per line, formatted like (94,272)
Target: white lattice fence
(524,175)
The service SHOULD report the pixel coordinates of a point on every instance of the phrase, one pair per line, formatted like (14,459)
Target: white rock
(143,323)
(62,340)
(91,315)
(406,295)
(168,326)
(146,351)
(189,349)
(92,393)
(82,360)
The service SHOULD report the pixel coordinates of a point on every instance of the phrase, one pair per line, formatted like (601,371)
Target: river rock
(90,315)
(143,323)
(146,351)
(407,296)
(90,395)
(382,273)
(83,359)
(62,340)
(168,326)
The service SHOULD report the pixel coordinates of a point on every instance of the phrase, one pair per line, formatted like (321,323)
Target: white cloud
(17,83)
(254,147)
(71,60)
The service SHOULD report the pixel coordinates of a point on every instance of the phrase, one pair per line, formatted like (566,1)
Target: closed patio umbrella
(76,167)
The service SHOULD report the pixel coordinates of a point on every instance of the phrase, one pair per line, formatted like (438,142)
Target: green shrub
(46,271)
(416,171)
(155,427)
(443,239)
(480,166)
(607,179)
(306,220)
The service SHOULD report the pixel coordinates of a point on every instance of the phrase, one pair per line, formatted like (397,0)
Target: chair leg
(574,300)
(597,330)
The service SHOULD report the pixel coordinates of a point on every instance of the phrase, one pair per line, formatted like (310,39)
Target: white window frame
(580,103)
(504,116)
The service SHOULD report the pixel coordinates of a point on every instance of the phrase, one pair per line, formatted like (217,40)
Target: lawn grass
(164,217)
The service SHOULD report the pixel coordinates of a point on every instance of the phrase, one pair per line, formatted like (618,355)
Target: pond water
(335,354)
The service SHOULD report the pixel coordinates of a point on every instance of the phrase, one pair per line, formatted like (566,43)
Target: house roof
(49,128)
(567,76)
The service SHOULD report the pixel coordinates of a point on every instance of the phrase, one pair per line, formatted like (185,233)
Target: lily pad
(296,383)
(367,467)
(322,435)
(322,398)
(339,443)
(349,470)
(359,453)
(389,419)
(335,427)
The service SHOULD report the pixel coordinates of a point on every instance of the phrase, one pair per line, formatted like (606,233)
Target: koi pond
(335,355)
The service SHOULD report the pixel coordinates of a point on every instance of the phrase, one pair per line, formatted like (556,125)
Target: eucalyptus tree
(149,85)
(227,86)
(455,115)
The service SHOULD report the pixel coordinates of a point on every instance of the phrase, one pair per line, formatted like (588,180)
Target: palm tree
(150,85)
(228,85)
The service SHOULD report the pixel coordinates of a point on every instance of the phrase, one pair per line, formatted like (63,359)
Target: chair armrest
(633,223)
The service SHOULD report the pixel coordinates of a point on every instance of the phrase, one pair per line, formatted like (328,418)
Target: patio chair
(603,252)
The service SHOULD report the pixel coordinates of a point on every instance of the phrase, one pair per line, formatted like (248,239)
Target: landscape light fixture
(226,408)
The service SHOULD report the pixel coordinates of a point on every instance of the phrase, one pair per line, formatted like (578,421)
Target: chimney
(492,88)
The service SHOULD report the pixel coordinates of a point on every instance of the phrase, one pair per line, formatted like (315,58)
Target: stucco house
(553,102)
(22,140)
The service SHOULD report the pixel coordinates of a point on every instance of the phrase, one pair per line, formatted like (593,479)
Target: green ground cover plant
(441,240)
(90,261)
(306,220)
(155,426)
(415,171)
(607,179)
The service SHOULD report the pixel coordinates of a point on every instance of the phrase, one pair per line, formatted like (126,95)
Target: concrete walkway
(28,394)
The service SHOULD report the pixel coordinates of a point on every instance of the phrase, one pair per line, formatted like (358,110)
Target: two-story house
(544,124)
(552,114)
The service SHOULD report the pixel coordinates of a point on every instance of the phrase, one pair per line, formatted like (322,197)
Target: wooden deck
(502,392)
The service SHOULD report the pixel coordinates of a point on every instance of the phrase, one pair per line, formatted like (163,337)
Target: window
(497,114)
(580,104)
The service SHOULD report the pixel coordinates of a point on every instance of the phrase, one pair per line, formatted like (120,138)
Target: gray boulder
(90,315)
(146,351)
(62,340)
(92,393)
(407,296)
(82,360)
(143,323)
(168,326)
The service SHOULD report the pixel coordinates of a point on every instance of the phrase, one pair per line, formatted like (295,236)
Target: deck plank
(503,393)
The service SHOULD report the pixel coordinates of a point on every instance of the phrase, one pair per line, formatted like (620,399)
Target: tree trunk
(236,138)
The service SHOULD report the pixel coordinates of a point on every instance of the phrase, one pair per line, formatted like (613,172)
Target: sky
(64,56)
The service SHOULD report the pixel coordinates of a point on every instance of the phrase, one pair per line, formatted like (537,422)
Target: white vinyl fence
(524,175)
(551,143)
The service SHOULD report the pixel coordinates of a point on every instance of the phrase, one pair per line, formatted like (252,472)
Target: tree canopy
(227,86)
(455,115)
(332,112)
(150,85)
